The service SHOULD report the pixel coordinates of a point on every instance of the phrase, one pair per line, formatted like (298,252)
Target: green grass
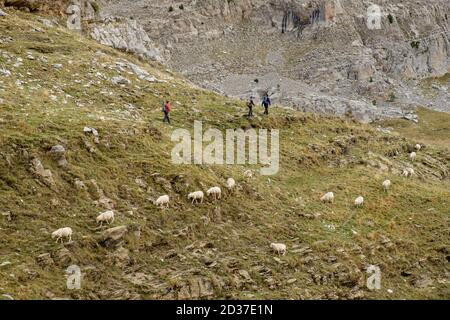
(433,128)
(212,241)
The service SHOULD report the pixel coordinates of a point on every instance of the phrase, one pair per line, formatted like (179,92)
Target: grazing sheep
(231,183)
(359,201)
(279,248)
(418,147)
(329,197)
(386,185)
(163,201)
(248,174)
(412,156)
(107,217)
(215,191)
(196,196)
(408,172)
(62,233)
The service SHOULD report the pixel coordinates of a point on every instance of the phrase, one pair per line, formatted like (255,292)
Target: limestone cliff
(317,55)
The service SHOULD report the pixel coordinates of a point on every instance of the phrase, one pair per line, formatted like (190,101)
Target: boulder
(44,260)
(43,174)
(59,154)
(127,35)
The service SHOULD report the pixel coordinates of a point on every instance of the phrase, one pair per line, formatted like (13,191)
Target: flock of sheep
(216,192)
(162,202)
(198,196)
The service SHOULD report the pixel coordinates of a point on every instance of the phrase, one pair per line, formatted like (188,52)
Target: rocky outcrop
(89,8)
(127,35)
(45,175)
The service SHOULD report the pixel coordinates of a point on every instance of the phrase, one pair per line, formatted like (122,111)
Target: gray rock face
(44,260)
(320,54)
(127,35)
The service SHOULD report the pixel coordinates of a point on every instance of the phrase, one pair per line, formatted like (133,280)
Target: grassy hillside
(433,128)
(53,83)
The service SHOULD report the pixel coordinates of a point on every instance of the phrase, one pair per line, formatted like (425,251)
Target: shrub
(390,18)
(415,44)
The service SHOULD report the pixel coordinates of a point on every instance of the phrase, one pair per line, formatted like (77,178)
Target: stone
(127,35)
(5,72)
(5,263)
(45,175)
(105,203)
(367,79)
(47,23)
(120,257)
(139,279)
(44,260)
(7,215)
(119,80)
(62,257)
(114,237)
(244,274)
(94,132)
(80,184)
(58,152)
(197,288)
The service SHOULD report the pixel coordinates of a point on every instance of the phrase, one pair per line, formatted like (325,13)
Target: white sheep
(248,174)
(107,216)
(231,183)
(279,248)
(62,233)
(215,191)
(196,196)
(163,201)
(386,185)
(359,201)
(418,147)
(412,156)
(408,172)
(329,197)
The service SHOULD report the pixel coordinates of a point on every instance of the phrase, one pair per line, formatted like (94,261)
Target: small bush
(171,9)
(415,44)
(390,18)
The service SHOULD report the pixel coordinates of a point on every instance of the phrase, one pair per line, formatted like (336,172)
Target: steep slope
(54,83)
(315,55)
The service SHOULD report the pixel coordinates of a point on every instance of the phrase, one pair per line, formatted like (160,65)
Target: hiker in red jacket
(166,110)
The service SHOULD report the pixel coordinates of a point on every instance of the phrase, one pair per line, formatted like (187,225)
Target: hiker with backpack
(166,111)
(266,103)
(250,105)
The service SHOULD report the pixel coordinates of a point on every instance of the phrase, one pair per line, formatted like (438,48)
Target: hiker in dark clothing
(250,105)
(266,103)
(166,111)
